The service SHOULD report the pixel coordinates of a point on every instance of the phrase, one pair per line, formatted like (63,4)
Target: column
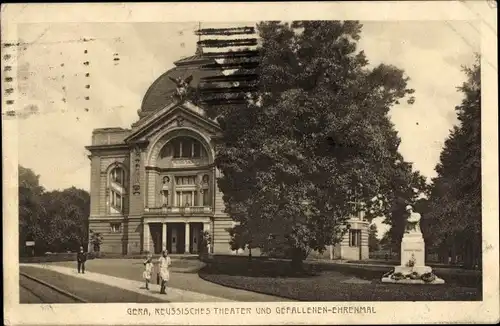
(145,238)
(171,200)
(164,236)
(331,252)
(187,239)
(206,228)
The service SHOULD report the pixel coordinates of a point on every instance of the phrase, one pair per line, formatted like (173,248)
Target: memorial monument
(412,269)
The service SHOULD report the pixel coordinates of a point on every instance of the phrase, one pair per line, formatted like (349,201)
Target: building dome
(159,93)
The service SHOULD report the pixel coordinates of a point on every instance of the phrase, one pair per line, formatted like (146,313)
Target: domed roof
(159,93)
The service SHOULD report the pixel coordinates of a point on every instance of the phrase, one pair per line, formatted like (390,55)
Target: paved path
(173,294)
(132,270)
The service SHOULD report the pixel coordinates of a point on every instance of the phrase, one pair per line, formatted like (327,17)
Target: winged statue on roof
(182,85)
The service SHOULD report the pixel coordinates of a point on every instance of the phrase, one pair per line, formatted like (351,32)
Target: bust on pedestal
(412,269)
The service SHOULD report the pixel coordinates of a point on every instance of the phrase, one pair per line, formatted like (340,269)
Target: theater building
(354,244)
(154,186)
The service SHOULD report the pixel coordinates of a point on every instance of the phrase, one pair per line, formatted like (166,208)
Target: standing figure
(164,262)
(148,268)
(81,258)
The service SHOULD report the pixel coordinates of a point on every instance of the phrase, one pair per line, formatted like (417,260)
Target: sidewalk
(133,269)
(173,294)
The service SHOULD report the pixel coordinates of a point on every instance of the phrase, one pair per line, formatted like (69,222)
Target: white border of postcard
(486,311)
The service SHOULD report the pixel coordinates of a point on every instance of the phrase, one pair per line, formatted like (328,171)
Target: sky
(58,112)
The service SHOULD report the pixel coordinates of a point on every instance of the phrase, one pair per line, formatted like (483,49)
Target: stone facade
(354,243)
(153,186)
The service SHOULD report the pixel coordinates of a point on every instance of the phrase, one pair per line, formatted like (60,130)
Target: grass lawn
(333,286)
(397,262)
(93,292)
(316,284)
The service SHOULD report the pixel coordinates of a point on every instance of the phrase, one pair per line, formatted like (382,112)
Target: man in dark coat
(81,258)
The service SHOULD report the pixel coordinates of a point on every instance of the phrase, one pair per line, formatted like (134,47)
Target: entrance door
(155,230)
(196,241)
(175,238)
(181,242)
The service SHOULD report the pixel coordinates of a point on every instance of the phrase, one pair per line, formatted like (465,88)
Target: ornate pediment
(177,114)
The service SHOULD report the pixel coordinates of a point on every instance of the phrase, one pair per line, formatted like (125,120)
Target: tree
(240,239)
(386,241)
(30,208)
(56,220)
(316,136)
(455,197)
(373,242)
(66,224)
(407,186)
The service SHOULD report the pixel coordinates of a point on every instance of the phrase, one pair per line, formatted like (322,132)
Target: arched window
(187,147)
(117,175)
(117,190)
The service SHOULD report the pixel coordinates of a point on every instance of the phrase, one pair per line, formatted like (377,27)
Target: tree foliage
(407,186)
(30,205)
(386,242)
(56,220)
(455,196)
(316,136)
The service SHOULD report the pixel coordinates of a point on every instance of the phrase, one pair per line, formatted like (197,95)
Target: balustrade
(165,210)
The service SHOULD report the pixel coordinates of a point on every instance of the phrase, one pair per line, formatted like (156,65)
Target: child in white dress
(148,269)
(164,263)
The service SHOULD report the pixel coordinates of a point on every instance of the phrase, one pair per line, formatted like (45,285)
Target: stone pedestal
(412,269)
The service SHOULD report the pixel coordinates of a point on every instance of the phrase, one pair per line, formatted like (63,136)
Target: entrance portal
(176,236)
(155,229)
(196,237)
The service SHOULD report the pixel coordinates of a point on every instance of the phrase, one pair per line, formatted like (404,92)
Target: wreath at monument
(389,273)
(397,276)
(411,270)
(428,277)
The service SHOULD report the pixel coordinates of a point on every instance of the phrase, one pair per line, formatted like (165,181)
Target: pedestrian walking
(164,263)
(81,258)
(148,268)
